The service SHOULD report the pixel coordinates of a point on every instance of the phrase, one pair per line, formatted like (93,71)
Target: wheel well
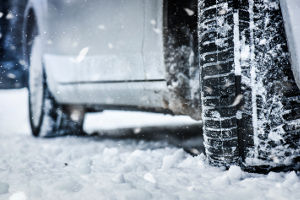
(180,20)
(181,56)
(180,34)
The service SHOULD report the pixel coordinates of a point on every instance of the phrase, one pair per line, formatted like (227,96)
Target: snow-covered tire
(47,117)
(250,101)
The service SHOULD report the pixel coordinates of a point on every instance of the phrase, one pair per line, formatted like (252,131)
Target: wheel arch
(180,41)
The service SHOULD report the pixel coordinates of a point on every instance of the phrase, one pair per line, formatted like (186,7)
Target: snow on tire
(250,101)
(47,117)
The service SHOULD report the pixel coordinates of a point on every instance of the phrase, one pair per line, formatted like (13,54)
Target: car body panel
(113,35)
(150,94)
(291,15)
(123,62)
(143,95)
(77,25)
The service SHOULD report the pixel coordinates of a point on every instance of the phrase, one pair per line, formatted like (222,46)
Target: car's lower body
(230,68)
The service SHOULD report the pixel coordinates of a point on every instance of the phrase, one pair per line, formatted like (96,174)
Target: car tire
(250,101)
(47,117)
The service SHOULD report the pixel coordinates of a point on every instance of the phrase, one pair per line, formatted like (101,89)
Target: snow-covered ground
(110,168)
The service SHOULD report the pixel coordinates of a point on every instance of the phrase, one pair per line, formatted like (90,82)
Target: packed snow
(98,167)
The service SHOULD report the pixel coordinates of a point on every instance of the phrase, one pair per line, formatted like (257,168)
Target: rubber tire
(250,101)
(54,120)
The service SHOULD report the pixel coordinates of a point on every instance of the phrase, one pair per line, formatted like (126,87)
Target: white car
(225,62)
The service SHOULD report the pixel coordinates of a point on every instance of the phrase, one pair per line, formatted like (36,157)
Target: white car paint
(122,41)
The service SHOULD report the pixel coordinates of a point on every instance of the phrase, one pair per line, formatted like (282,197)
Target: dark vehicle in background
(13,69)
(225,62)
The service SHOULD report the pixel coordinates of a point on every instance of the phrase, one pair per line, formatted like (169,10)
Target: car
(13,69)
(226,63)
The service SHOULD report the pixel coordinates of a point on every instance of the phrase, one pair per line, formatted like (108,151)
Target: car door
(95,40)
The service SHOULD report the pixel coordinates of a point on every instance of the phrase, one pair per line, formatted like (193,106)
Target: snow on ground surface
(103,168)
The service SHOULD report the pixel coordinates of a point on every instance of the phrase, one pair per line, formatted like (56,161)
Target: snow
(253,81)
(237,100)
(106,168)
(82,54)
(149,177)
(153,22)
(101,27)
(237,45)
(140,119)
(18,196)
(9,16)
(3,188)
(189,11)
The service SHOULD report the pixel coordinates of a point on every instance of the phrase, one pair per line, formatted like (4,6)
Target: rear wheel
(47,117)
(250,101)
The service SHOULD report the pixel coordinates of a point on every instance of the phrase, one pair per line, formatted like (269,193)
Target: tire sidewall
(36,127)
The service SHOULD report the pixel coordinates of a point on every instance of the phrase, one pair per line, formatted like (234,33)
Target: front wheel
(47,117)
(250,101)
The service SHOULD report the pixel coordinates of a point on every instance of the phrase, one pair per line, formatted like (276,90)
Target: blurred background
(13,69)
